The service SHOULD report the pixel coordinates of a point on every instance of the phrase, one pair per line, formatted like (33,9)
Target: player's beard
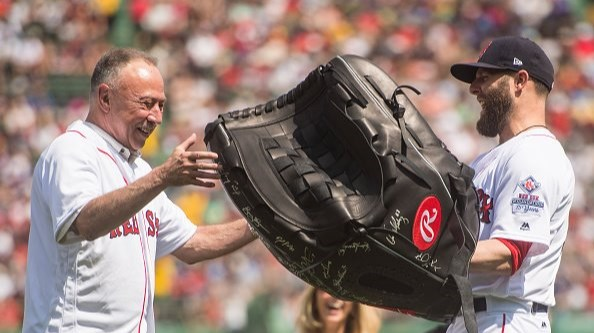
(497,105)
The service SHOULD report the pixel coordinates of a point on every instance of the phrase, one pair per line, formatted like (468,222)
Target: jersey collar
(127,154)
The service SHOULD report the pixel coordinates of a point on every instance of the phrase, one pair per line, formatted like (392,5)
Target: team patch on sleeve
(526,198)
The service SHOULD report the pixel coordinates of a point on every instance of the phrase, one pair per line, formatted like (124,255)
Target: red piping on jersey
(139,238)
(114,161)
(145,281)
(141,247)
(77,132)
(100,150)
(503,324)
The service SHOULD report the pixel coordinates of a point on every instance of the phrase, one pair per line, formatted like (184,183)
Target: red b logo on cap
(427,223)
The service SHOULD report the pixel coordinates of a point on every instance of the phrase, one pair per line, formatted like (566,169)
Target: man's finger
(203,183)
(205,174)
(207,166)
(188,142)
(203,155)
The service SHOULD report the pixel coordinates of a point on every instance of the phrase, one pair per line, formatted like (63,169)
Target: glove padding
(349,188)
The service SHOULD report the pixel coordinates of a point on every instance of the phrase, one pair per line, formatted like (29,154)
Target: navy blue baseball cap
(509,53)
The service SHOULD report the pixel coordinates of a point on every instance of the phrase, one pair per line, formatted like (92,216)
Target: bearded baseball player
(99,216)
(525,186)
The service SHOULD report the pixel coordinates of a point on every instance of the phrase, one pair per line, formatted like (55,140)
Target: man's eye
(150,104)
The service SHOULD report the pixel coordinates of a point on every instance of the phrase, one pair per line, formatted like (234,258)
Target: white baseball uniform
(525,188)
(104,285)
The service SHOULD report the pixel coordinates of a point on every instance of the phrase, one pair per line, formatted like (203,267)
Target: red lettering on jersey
(486,205)
(131,227)
(117,232)
(150,218)
(135,225)
(128,228)
(153,221)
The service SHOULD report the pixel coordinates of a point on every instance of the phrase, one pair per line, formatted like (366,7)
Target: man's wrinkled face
(494,95)
(136,104)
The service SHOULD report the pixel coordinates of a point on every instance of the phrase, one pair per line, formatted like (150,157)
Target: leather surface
(349,188)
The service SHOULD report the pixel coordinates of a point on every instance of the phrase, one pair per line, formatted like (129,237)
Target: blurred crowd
(218,56)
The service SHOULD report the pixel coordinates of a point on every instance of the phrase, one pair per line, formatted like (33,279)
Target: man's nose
(156,114)
(474,87)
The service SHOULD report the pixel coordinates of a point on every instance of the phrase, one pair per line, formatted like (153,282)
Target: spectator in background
(322,313)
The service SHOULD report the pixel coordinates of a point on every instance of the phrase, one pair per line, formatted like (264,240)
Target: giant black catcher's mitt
(349,188)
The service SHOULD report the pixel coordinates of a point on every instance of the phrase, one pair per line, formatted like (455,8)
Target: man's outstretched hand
(184,167)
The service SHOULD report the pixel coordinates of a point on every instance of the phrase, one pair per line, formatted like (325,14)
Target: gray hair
(108,67)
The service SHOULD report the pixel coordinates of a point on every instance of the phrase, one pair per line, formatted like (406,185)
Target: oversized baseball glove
(349,188)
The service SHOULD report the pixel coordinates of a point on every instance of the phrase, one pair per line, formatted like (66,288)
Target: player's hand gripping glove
(347,185)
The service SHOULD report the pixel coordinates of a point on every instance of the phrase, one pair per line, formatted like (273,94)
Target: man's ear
(103,97)
(521,79)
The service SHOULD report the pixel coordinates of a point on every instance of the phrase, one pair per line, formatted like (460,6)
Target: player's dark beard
(497,104)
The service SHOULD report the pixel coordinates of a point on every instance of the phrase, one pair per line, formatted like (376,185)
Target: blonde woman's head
(321,312)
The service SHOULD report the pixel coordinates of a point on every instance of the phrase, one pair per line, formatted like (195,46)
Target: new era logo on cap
(510,53)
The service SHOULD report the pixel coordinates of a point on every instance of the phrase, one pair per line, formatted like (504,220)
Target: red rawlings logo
(427,223)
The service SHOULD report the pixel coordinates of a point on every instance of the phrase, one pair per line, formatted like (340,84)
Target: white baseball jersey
(525,188)
(105,285)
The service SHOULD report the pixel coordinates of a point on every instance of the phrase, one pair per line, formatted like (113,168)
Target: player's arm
(213,241)
(499,256)
(106,212)
(491,256)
